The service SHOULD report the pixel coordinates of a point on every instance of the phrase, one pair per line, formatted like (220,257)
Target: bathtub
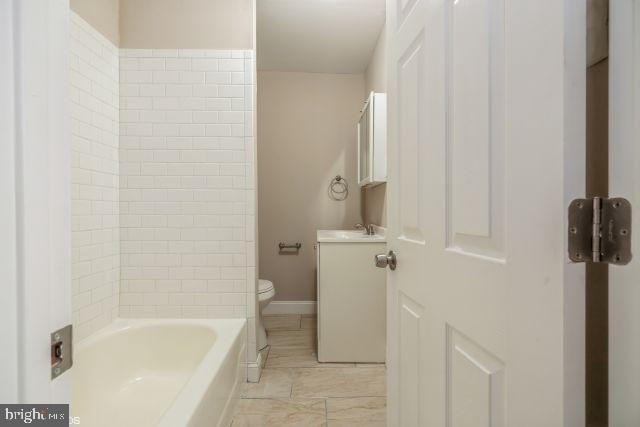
(167,373)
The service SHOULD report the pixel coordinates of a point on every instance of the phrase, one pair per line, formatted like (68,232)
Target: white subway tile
(152,89)
(178,64)
(192,77)
(207,91)
(218,130)
(184,164)
(230,117)
(217,77)
(166,129)
(231,91)
(133,76)
(231,65)
(217,104)
(192,130)
(206,116)
(151,64)
(205,64)
(179,90)
(166,76)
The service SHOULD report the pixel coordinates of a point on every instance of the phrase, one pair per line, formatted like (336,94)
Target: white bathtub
(168,373)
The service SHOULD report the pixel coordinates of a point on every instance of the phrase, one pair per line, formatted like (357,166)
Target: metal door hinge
(61,351)
(600,230)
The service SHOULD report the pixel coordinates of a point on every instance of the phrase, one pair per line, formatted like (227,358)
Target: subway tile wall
(187,191)
(95,178)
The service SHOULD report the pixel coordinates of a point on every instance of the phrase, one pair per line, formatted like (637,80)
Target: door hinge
(61,351)
(600,230)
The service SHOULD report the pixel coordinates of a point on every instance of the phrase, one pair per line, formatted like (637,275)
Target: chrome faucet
(366,229)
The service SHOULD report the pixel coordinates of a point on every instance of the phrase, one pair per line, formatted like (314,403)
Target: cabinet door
(363,147)
(352,301)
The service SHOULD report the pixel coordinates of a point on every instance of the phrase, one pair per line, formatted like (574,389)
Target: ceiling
(318,36)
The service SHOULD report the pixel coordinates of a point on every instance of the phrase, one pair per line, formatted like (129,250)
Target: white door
(486,139)
(624,181)
(35,185)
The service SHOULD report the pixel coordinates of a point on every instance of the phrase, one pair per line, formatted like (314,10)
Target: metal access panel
(600,230)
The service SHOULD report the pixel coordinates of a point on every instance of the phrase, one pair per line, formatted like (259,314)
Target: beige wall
(101,15)
(194,24)
(375,198)
(306,136)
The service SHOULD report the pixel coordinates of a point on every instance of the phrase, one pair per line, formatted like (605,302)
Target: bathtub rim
(228,333)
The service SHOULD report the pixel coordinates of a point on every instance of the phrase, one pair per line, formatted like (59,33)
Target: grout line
(326,413)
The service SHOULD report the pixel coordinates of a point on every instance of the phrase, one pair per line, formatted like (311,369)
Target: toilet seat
(264,286)
(266,291)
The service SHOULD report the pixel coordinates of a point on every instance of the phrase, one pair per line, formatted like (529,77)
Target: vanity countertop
(350,236)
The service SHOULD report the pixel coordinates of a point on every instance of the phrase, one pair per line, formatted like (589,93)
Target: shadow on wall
(374,202)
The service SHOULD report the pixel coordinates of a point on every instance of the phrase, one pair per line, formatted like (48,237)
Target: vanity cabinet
(372,141)
(351,300)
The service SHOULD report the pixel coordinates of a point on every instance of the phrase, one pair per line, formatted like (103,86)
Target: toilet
(266,292)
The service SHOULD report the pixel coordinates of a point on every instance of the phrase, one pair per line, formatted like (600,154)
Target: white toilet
(266,292)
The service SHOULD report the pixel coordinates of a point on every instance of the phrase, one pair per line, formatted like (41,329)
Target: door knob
(384,260)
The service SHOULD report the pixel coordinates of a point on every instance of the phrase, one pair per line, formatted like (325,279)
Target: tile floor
(296,390)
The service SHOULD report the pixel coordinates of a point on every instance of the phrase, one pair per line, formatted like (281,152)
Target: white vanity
(351,297)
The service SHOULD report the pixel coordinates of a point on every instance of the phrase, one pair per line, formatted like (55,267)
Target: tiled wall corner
(251,202)
(184,149)
(94,62)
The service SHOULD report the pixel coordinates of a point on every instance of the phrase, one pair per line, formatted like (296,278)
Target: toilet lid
(264,286)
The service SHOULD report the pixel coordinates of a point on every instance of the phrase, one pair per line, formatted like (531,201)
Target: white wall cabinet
(372,141)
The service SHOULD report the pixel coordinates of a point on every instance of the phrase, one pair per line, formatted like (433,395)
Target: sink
(348,236)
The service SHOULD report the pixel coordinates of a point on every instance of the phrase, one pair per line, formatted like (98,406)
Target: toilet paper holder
(283,246)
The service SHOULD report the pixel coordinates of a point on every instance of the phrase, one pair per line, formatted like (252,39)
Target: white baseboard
(290,307)
(254,370)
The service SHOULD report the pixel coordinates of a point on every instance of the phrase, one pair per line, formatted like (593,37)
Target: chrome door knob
(384,260)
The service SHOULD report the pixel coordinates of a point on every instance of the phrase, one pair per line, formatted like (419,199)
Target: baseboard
(290,307)
(254,370)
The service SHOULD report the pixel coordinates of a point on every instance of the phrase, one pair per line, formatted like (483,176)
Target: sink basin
(348,236)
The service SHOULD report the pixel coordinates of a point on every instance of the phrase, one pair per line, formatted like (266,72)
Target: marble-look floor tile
(338,382)
(281,322)
(298,357)
(308,322)
(274,383)
(301,338)
(357,411)
(280,413)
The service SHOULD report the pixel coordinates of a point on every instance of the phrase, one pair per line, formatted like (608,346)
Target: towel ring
(338,189)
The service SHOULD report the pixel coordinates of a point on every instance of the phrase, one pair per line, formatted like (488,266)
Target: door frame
(8,266)
(624,181)
(36,189)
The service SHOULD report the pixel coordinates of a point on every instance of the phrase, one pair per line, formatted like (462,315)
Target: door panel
(475,139)
(475,384)
(411,393)
(478,179)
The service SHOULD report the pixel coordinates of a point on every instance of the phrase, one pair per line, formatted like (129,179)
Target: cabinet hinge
(600,230)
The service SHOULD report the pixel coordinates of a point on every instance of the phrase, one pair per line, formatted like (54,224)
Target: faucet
(366,229)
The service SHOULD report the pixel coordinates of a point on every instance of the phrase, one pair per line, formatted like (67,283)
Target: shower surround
(187,191)
(164,190)
(94,178)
